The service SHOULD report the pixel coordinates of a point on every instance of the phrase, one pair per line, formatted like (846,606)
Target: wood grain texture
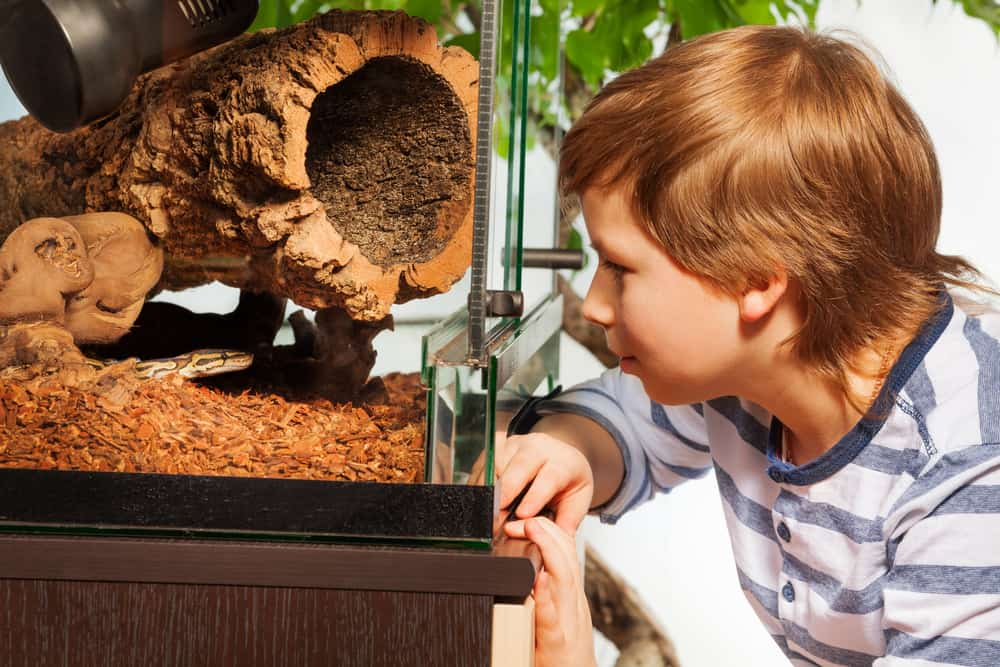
(100,624)
(508,572)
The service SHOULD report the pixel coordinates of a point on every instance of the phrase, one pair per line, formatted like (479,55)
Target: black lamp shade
(71,62)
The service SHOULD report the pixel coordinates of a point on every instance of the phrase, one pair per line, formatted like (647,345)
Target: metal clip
(503,303)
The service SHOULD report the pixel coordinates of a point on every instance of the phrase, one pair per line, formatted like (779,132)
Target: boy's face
(671,330)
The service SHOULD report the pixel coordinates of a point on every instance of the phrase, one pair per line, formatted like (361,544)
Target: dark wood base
(82,602)
(69,623)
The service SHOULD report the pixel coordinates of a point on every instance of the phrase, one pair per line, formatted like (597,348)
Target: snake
(199,363)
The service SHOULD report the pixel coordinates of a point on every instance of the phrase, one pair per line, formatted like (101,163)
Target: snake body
(200,363)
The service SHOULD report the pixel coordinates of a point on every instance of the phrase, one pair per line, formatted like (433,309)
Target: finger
(515,529)
(558,550)
(571,510)
(519,473)
(563,569)
(504,452)
(546,611)
(550,481)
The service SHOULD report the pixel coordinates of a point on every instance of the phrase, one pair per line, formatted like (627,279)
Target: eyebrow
(603,250)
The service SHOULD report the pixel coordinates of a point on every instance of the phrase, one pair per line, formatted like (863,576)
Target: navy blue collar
(855,440)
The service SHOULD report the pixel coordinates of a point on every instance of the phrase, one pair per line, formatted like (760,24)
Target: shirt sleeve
(662,446)
(942,591)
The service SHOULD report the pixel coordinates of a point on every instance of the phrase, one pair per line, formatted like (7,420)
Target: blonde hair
(762,147)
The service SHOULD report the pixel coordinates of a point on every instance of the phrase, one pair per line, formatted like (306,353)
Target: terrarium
(345,164)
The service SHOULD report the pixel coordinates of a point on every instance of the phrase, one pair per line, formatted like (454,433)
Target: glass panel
(543,86)
(516,28)
(501,256)
(469,408)
(525,146)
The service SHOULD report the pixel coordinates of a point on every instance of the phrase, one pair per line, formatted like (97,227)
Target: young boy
(765,207)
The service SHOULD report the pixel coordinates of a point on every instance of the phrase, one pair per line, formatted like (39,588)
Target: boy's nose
(596,308)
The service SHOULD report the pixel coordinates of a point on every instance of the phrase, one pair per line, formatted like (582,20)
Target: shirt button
(783,532)
(788,592)
(776,475)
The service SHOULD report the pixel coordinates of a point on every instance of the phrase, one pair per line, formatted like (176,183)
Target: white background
(675,550)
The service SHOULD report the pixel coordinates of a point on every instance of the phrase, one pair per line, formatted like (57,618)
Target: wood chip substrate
(177,426)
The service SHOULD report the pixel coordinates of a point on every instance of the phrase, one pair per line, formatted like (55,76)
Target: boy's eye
(617,270)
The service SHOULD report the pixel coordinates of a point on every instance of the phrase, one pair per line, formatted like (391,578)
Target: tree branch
(619,614)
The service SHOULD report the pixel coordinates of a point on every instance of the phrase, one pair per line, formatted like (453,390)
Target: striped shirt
(885,550)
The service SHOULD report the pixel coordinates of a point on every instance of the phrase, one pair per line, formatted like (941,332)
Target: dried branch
(618,613)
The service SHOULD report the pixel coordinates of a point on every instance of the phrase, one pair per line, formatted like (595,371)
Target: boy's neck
(815,416)
(814,410)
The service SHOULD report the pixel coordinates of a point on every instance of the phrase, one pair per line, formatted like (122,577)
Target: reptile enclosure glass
(477,368)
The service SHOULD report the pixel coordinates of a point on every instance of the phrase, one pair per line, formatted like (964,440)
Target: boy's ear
(760,299)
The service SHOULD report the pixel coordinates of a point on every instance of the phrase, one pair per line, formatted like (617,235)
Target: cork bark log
(330,163)
(619,613)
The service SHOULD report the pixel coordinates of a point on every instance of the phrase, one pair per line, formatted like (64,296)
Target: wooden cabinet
(138,602)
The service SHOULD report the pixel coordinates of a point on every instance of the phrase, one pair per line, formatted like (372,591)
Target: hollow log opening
(389,156)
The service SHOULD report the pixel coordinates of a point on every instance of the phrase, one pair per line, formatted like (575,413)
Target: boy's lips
(621,357)
(619,354)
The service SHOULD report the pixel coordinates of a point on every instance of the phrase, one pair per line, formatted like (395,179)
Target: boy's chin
(673,393)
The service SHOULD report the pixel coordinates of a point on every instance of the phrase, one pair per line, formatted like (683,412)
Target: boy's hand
(563,629)
(559,475)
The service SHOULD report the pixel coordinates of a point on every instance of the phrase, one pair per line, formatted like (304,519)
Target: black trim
(77,501)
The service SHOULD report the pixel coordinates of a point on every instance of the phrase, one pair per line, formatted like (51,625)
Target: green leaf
(550,6)
(574,241)
(757,11)
(544,42)
(283,15)
(267,14)
(384,4)
(620,32)
(699,17)
(309,8)
(429,10)
(587,7)
(469,42)
(586,51)
(273,14)
(501,133)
